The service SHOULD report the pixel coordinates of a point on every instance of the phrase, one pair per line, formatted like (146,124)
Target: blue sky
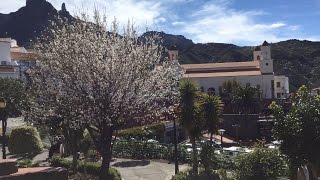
(242,22)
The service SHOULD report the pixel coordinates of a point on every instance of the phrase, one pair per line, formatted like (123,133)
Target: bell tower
(266,63)
(173,53)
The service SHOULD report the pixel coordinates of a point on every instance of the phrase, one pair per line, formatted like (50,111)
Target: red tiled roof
(7,69)
(23,56)
(221,65)
(222,74)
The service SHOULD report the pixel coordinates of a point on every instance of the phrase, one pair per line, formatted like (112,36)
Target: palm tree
(247,99)
(190,116)
(212,109)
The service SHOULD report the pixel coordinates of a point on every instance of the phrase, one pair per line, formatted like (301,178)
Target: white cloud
(141,12)
(13,5)
(216,22)
(178,23)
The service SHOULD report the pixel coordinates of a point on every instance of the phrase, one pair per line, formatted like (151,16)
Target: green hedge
(153,130)
(25,140)
(145,150)
(91,167)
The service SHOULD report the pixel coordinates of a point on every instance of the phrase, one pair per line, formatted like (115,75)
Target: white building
(257,72)
(7,67)
(15,61)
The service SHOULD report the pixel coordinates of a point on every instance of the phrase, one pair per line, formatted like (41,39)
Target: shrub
(149,131)
(24,163)
(262,164)
(185,175)
(144,150)
(25,140)
(91,167)
(182,175)
(59,162)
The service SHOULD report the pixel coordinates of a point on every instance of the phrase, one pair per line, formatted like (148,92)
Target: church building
(257,72)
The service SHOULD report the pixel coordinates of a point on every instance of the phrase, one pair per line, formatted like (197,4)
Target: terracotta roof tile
(222,74)
(222,65)
(6,69)
(23,56)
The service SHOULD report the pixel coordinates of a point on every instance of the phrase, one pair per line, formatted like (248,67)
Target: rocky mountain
(30,20)
(299,60)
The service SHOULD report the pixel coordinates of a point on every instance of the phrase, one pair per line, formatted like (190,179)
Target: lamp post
(175,142)
(3,118)
(221,132)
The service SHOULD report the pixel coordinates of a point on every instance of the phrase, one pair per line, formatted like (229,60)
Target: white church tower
(173,53)
(263,55)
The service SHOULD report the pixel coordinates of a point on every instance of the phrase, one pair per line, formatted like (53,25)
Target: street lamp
(176,161)
(3,118)
(221,132)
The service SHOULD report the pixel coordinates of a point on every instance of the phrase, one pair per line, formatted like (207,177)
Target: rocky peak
(63,7)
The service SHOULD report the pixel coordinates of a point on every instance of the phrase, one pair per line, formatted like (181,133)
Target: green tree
(212,109)
(190,115)
(14,92)
(299,130)
(245,99)
(262,164)
(228,87)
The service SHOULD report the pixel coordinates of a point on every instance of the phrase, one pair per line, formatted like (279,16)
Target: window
(3,62)
(278,95)
(258,57)
(267,64)
(278,84)
(201,89)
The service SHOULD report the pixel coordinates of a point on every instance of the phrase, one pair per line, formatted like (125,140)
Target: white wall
(281,87)
(265,52)
(5,45)
(264,81)
(256,54)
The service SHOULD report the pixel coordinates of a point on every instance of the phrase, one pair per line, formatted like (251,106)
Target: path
(145,170)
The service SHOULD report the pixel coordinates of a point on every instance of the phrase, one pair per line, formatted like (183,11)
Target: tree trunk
(314,171)
(194,157)
(106,154)
(211,137)
(74,152)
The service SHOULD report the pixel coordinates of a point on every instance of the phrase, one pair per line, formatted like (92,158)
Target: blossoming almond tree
(101,78)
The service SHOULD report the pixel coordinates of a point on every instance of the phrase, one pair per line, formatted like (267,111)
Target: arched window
(258,58)
(212,91)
